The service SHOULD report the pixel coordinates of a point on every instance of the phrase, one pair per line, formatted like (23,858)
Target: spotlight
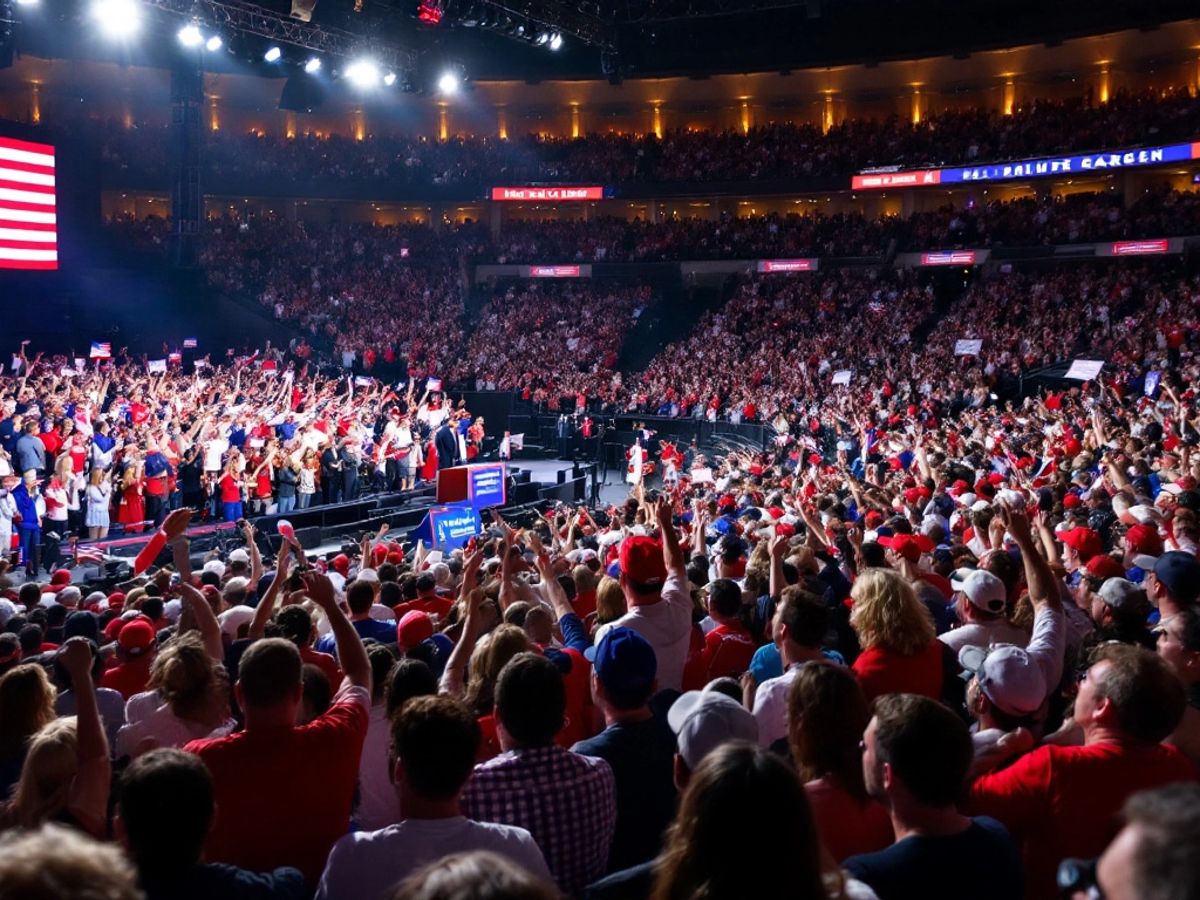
(189,35)
(117,18)
(363,73)
(213,44)
(543,37)
(27,2)
(312,66)
(556,41)
(448,84)
(273,54)
(389,79)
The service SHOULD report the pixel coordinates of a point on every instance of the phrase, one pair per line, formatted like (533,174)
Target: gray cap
(704,720)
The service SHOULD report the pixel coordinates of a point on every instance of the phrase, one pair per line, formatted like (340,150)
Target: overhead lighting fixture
(389,79)
(117,18)
(312,66)
(543,37)
(448,84)
(272,54)
(556,41)
(214,43)
(363,73)
(27,2)
(189,35)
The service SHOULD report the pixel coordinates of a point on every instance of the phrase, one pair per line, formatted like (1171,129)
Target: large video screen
(28,206)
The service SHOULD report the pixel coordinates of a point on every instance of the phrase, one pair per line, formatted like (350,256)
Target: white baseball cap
(1008,676)
(982,589)
(704,720)
(239,556)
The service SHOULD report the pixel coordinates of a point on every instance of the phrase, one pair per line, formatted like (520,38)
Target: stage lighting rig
(117,19)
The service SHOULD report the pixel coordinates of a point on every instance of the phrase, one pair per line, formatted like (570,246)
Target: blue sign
(454,525)
(1070,165)
(487,485)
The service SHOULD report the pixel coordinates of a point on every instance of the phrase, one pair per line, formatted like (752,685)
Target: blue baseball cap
(1179,573)
(624,661)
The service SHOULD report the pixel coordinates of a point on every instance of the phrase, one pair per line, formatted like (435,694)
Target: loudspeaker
(309,538)
(303,9)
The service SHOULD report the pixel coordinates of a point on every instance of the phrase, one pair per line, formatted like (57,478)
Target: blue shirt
(382,632)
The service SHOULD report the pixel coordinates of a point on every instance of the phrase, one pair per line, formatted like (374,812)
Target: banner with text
(554,193)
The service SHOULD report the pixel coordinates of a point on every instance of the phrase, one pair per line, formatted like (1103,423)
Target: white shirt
(366,865)
(378,805)
(771,706)
(162,728)
(984,634)
(667,625)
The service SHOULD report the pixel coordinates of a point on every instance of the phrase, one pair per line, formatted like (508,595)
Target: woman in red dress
(131,512)
(475,435)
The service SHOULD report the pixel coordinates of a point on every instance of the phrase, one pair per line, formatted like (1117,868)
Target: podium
(480,486)
(448,527)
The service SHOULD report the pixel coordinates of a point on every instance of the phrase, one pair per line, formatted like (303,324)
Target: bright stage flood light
(363,73)
(389,79)
(213,44)
(273,54)
(448,84)
(556,41)
(312,66)
(117,18)
(189,35)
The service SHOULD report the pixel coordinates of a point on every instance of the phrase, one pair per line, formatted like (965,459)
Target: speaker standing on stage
(445,442)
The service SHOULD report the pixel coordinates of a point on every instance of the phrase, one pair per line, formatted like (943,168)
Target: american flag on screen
(101,350)
(28,229)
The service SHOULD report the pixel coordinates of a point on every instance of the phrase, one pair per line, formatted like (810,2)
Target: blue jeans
(305,500)
(31,539)
(232,511)
(285,504)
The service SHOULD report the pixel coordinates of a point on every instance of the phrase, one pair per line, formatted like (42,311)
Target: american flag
(101,350)
(189,343)
(28,229)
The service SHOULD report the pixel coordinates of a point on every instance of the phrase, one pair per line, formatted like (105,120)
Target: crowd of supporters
(775,151)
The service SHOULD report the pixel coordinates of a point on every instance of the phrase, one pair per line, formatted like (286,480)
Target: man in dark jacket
(445,441)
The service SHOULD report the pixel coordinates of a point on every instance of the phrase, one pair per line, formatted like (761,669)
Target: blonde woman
(66,772)
(900,650)
(610,601)
(26,706)
(99,494)
(193,691)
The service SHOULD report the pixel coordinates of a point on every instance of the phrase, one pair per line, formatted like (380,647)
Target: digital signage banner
(1141,248)
(787,265)
(555,193)
(950,258)
(1078,164)
(559,271)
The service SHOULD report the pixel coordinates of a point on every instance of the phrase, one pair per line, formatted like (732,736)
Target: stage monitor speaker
(309,538)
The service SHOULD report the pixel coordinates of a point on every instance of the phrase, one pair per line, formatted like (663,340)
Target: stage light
(556,41)
(214,43)
(27,2)
(543,37)
(273,54)
(448,84)
(363,73)
(312,66)
(117,18)
(189,35)
(389,79)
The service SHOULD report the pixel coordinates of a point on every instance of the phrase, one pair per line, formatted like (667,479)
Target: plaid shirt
(566,801)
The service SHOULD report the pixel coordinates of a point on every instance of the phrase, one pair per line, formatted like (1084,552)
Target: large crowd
(939,637)
(924,648)
(773,151)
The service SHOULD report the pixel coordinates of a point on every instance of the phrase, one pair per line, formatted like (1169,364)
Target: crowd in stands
(774,151)
(955,652)
(552,340)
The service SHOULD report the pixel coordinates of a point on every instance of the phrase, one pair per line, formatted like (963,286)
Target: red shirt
(883,671)
(847,827)
(129,678)
(265,818)
(231,491)
(323,661)
(435,606)
(584,604)
(1066,801)
(728,650)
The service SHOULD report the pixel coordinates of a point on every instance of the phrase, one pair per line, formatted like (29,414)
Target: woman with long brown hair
(736,789)
(26,706)
(827,715)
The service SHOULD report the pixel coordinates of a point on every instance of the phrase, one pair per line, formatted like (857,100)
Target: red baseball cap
(1083,541)
(341,564)
(116,600)
(136,637)
(414,627)
(907,546)
(1143,538)
(642,562)
(1104,566)
(60,578)
(1072,500)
